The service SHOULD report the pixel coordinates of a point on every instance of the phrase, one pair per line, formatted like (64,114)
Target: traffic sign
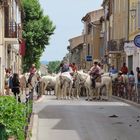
(89,58)
(137,41)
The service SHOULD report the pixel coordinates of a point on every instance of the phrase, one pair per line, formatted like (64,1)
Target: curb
(127,101)
(35,127)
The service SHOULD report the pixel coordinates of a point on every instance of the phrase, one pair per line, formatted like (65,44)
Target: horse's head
(80,76)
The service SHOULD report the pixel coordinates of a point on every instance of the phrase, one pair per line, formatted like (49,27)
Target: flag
(22,47)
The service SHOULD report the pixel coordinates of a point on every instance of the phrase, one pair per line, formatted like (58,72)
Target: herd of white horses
(62,84)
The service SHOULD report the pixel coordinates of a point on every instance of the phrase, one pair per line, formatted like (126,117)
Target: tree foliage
(37,30)
(53,66)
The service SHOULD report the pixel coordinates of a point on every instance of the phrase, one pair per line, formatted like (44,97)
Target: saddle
(98,79)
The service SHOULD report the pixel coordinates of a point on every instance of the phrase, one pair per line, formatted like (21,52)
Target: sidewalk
(127,101)
(36,121)
(35,127)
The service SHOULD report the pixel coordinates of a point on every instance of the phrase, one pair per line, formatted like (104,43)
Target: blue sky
(66,15)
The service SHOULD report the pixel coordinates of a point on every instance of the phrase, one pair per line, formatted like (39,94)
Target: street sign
(137,41)
(88,58)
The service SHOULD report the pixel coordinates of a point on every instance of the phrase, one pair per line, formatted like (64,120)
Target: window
(89,28)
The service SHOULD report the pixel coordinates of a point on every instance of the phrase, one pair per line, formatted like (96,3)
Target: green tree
(53,66)
(37,30)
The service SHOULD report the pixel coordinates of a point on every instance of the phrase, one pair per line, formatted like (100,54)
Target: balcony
(13,30)
(116,46)
(4,3)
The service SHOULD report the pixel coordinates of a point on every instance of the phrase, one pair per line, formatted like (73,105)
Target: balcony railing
(13,30)
(4,3)
(116,46)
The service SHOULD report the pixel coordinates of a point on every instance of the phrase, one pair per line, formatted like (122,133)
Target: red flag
(22,47)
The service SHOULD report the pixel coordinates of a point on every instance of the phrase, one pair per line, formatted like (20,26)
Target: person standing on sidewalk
(16,85)
(138,79)
(124,69)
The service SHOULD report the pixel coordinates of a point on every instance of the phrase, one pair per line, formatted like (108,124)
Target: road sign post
(89,58)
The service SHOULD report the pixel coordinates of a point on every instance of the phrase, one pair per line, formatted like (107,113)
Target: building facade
(116,30)
(132,51)
(76,53)
(92,37)
(10,38)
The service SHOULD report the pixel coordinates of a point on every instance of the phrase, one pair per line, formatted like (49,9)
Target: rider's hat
(95,62)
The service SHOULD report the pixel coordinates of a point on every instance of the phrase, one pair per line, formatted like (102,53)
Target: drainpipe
(84,45)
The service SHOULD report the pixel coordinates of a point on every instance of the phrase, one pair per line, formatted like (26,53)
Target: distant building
(93,41)
(76,53)
(43,69)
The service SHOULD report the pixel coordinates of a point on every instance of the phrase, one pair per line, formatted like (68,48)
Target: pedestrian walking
(138,80)
(120,85)
(131,84)
(16,85)
(94,73)
(113,70)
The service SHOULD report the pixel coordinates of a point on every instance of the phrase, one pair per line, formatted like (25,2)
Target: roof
(93,15)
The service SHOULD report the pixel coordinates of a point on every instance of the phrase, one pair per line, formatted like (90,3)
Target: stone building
(93,39)
(76,53)
(132,51)
(116,30)
(10,37)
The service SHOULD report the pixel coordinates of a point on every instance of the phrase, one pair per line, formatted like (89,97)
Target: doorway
(130,62)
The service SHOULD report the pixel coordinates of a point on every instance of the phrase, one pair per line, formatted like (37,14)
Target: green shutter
(2,133)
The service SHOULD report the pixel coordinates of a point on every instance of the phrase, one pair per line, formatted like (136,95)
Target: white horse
(63,86)
(106,84)
(48,82)
(80,78)
(66,81)
(58,89)
(33,81)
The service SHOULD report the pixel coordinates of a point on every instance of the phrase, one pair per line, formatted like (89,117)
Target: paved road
(83,120)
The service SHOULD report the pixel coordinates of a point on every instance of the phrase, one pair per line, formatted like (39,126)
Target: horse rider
(74,67)
(94,73)
(32,72)
(124,69)
(74,70)
(64,67)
